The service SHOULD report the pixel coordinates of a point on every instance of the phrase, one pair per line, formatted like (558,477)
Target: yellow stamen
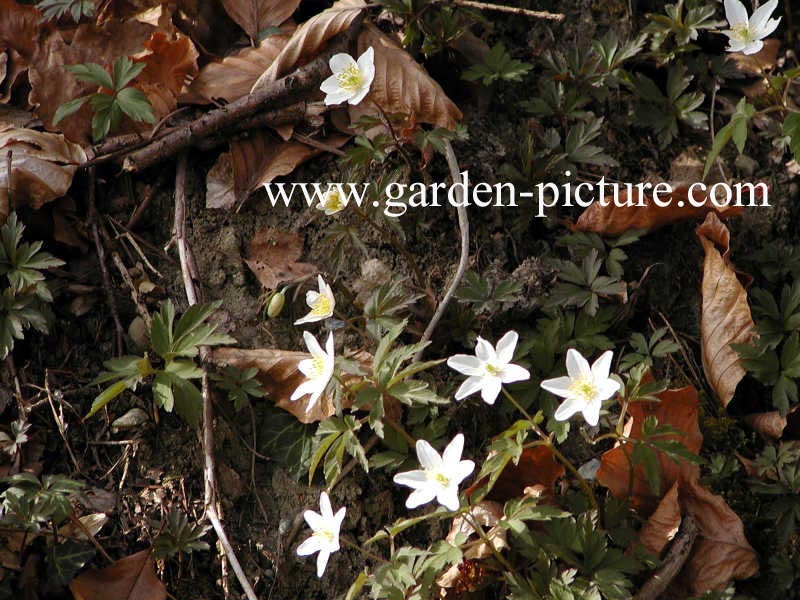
(441,479)
(333,201)
(350,79)
(322,306)
(318,365)
(492,370)
(583,389)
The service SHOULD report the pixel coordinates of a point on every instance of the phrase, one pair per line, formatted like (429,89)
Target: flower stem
(361,550)
(401,430)
(548,441)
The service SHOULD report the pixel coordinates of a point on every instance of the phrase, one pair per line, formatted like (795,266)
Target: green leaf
(66,559)
(135,104)
(125,70)
(69,108)
(791,129)
(91,73)
(107,395)
(647,458)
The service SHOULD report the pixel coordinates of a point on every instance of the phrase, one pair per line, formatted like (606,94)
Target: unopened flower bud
(275,305)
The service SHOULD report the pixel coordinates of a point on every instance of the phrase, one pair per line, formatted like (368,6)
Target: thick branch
(278,94)
(673,562)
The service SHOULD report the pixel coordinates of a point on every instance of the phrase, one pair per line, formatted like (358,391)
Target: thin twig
(209,470)
(463,260)
(137,299)
(59,419)
(101,257)
(673,562)
(535,14)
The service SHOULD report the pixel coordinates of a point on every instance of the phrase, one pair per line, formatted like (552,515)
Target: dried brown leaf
(42,166)
(19,33)
(308,39)
(233,77)
(256,15)
(401,85)
(725,317)
(613,220)
(130,578)
(677,408)
(279,377)
(253,161)
(772,425)
(272,256)
(537,469)
(169,64)
(663,524)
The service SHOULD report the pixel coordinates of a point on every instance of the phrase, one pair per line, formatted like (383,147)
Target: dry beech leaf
(256,15)
(402,85)
(677,408)
(614,220)
(233,77)
(130,578)
(42,165)
(279,377)
(253,161)
(772,425)
(51,85)
(537,470)
(721,552)
(463,575)
(308,39)
(19,33)
(92,523)
(169,64)
(754,65)
(725,316)
(272,256)
(663,524)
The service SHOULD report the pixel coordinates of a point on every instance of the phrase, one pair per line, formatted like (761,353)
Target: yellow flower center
(333,201)
(742,33)
(493,370)
(322,306)
(441,479)
(350,79)
(583,389)
(325,534)
(318,364)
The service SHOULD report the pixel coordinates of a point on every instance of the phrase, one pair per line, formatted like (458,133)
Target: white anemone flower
(325,532)
(440,475)
(746,33)
(351,78)
(331,202)
(584,387)
(318,369)
(320,302)
(489,369)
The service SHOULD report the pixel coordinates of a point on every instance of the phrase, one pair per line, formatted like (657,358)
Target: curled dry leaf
(677,408)
(92,523)
(42,166)
(536,474)
(169,64)
(279,377)
(401,85)
(663,524)
(19,33)
(130,578)
(613,220)
(255,16)
(467,575)
(272,256)
(772,425)
(233,77)
(253,161)
(308,39)
(725,317)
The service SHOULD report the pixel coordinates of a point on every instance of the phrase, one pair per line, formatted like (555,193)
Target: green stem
(355,546)
(401,430)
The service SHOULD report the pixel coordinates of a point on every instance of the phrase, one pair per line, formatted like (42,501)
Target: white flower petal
(753,47)
(558,386)
(470,385)
(735,13)
(761,15)
(341,61)
(512,373)
(767,28)
(466,364)
(366,61)
(484,350)
(330,85)
(577,366)
(305,388)
(312,400)
(309,318)
(413,479)
(325,508)
(568,408)
(421,496)
(309,546)
(506,347)
(462,470)
(322,561)
(591,412)
(491,389)
(312,344)
(607,388)
(427,456)
(311,297)
(337,97)
(329,349)
(452,452)
(339,517)
(315,520)
(448,497)
(359,95)
(602,366)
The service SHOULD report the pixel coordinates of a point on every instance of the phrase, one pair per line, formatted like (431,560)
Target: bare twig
(463,260)
(101,258)
(58,416)
(141,309)
(276,95)
(673,562)
(209,470)
(535,14)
